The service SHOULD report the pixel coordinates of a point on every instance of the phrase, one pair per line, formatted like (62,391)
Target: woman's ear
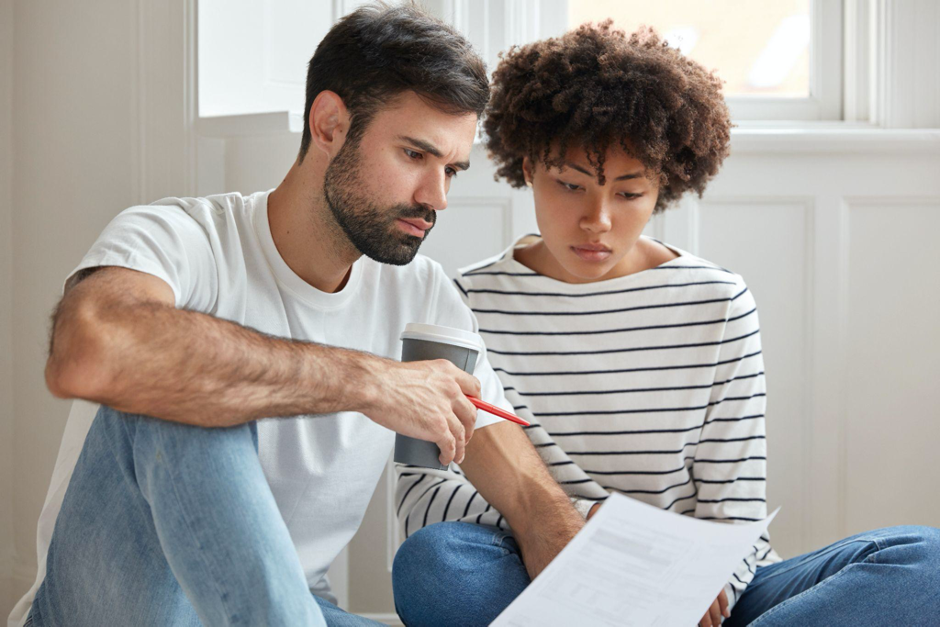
(528,171)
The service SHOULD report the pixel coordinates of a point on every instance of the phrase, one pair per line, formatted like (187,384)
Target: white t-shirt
(218,256)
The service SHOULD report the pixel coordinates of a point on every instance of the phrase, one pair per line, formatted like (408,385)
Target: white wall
(72,68)
(6,304)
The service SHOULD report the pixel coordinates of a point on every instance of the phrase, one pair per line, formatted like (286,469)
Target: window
(780,59)
(758,48)
(253,55)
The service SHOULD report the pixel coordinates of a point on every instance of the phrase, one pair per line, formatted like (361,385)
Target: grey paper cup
(424,342)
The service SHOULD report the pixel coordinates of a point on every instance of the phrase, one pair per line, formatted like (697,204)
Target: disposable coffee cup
(424,342)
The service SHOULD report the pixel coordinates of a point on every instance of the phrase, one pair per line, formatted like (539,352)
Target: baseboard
(6,596)
(386,618)
(12,589)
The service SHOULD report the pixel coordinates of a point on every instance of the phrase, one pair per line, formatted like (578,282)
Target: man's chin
(399,256)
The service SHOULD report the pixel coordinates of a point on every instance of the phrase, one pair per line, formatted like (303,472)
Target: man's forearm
(194,368)
(508,472)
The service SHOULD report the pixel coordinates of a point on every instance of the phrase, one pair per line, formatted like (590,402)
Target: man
(191,319)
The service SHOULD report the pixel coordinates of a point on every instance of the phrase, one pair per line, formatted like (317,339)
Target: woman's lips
(592,252)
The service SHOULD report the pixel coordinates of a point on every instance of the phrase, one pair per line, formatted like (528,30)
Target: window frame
(510,22)
(825,102)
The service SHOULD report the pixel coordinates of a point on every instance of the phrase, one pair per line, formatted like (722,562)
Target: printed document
(635,564)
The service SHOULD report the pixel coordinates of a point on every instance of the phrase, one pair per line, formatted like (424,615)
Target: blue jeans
(168,524)
(459,574)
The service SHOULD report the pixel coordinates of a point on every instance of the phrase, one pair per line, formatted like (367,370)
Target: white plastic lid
(444,335)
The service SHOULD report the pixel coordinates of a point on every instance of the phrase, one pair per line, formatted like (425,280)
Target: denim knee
(424,557)
(922,545)
(456,574)
(420,561)
(914,555)
(929,549)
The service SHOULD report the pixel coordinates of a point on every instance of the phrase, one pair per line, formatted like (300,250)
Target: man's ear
(528,171)
(329,122)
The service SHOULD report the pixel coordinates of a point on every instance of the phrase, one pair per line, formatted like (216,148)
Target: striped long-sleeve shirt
(651,385)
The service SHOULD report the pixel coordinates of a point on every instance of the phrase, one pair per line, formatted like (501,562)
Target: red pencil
(496,411)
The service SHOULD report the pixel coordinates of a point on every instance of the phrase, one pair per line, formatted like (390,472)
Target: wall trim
(165,100)
(251,124)
(835,140)
(808,205)
(846,206)
(820,138)
(389,618)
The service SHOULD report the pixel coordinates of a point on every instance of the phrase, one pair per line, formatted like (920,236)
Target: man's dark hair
(378,52)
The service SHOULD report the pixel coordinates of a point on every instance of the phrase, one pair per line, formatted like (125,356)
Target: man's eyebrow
(431,150)
(623,177)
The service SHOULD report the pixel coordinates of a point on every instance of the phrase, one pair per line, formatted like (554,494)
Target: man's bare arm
(118,339)
(508,472)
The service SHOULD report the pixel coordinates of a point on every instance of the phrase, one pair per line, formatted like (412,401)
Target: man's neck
(304,231)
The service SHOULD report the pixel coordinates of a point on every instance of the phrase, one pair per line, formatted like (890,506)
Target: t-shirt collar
(286,277)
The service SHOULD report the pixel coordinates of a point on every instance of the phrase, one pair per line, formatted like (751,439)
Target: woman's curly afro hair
(597,88)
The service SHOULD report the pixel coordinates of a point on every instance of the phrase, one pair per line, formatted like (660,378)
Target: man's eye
(450,172)
(412,154)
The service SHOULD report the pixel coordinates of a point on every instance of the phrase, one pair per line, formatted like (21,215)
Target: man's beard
(371,229)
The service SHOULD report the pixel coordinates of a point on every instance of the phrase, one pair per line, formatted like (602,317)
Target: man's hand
(718,609)
(426,400)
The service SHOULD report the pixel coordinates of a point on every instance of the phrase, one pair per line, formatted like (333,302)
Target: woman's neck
(643,255)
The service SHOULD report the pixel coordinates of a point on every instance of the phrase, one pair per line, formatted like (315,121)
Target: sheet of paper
(634,564)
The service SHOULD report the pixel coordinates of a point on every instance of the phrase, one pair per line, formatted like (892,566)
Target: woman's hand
(718,609)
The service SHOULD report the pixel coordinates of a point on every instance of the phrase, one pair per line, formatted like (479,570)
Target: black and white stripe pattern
(651,385)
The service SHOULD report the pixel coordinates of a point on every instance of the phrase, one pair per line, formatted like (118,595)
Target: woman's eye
(412,154)
(630,196)
(570,186)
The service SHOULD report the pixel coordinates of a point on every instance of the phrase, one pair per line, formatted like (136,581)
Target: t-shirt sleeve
(163,241)
(452,311)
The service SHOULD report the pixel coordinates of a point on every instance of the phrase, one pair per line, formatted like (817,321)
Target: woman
(639,365)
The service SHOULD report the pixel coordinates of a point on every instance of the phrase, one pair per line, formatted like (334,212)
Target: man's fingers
(467,414)
(457,433)
(448,448)
(724,603)
(470,385)
(459,446)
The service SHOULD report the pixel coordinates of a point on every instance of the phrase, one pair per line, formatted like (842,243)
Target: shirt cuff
(582,506)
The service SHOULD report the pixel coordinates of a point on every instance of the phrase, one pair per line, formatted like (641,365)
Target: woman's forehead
(617,161)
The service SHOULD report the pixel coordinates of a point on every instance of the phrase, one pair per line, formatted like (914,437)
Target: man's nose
(433,192)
